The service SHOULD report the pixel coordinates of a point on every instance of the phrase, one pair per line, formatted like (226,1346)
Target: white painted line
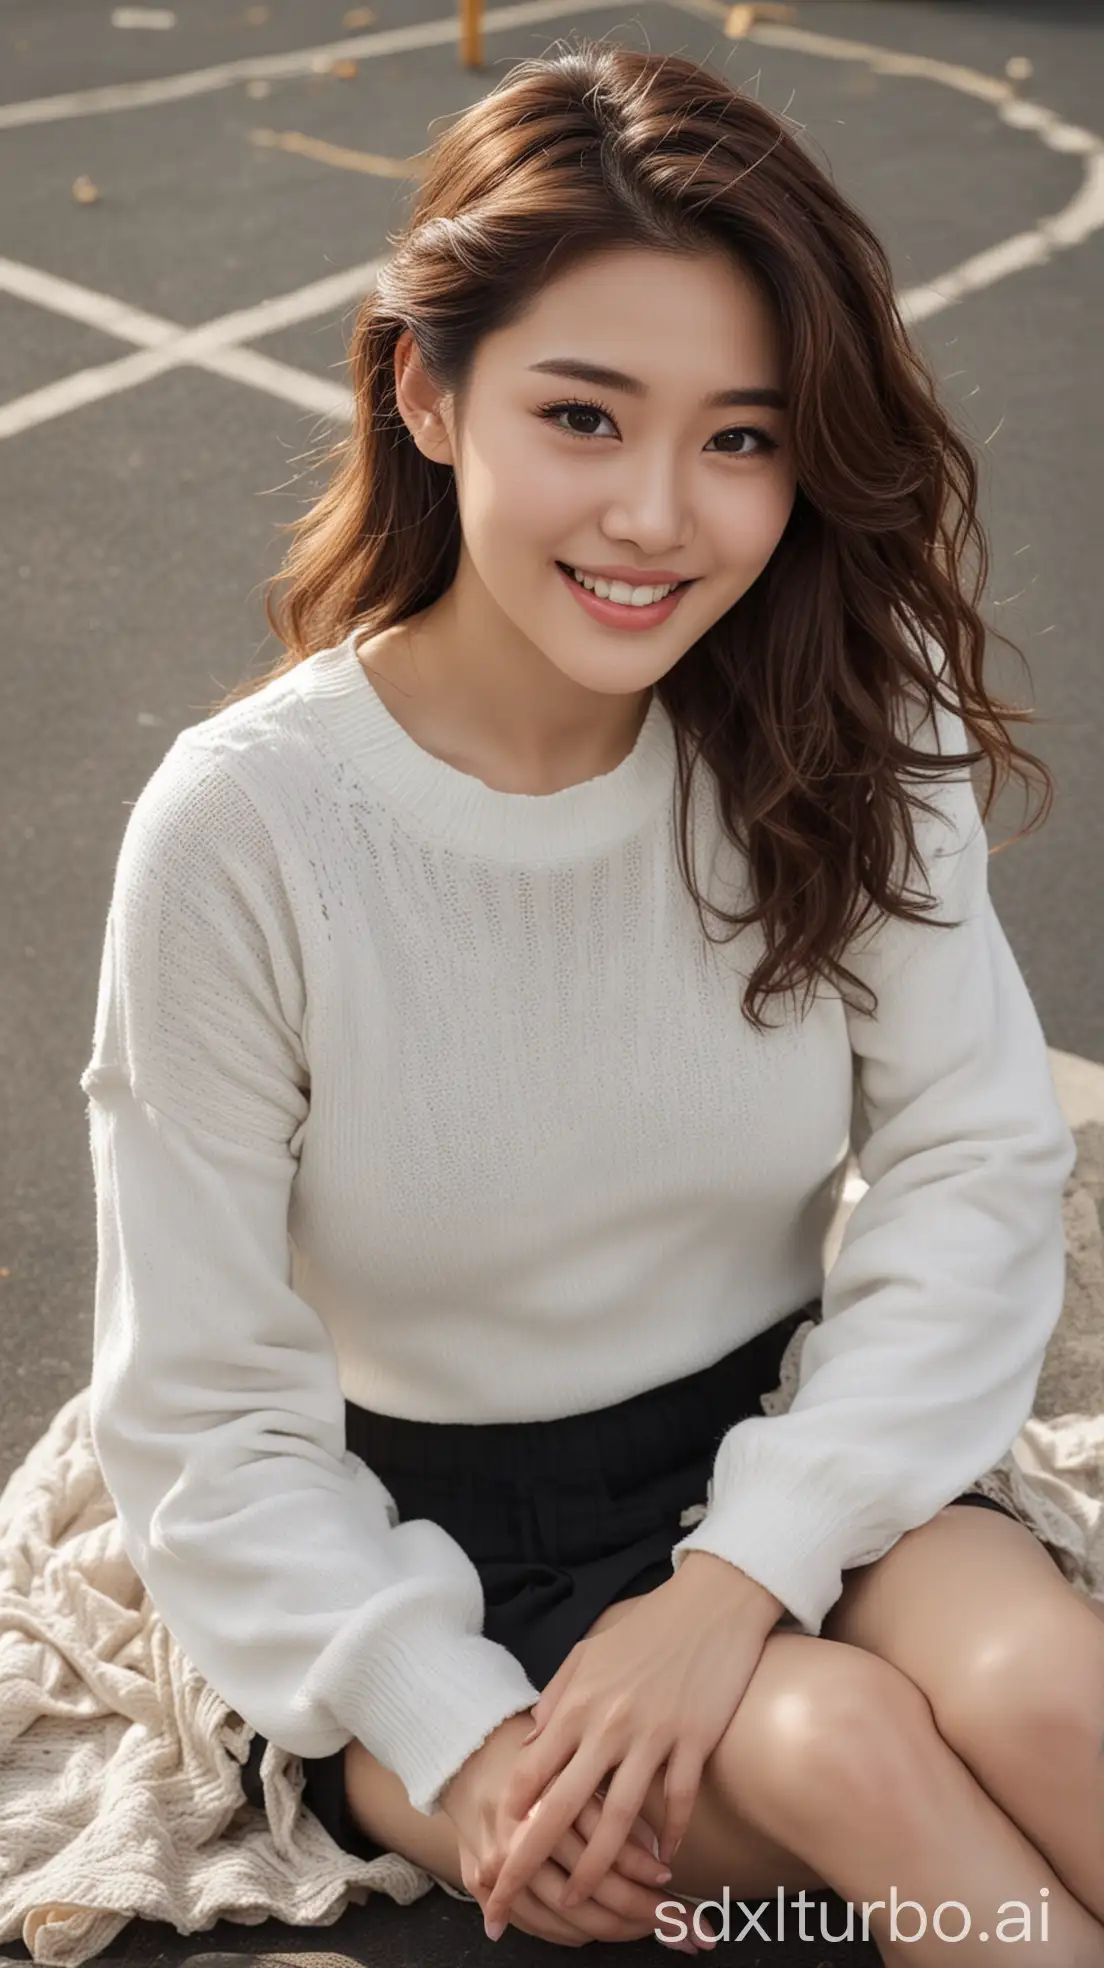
(239,365)
(286,310)
(216,345)
(1084,215)
(213,346)
(156,17)
(118,318)
(131,324)
(86,386)
(301,61)
(298,386)
(1071,226)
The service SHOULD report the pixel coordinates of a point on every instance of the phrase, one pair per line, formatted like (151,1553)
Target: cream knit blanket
(120,1768)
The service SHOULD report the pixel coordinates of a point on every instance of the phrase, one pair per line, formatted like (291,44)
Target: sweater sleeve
(950,1276)
(273,1554)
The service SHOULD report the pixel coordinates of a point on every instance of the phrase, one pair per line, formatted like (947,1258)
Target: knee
(1036,1686)
(823,1727)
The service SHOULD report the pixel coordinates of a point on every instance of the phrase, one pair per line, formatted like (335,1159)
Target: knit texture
(434,1097)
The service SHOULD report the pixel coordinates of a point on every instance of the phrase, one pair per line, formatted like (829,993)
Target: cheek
(765,516)
(525,510)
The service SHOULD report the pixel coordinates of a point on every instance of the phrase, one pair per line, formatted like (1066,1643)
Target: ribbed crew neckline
(460,809)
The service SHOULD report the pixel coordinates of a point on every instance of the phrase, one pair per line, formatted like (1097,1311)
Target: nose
(651,511)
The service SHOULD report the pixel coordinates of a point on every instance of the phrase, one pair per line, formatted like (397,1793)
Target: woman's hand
(660,1686)
(626,1906)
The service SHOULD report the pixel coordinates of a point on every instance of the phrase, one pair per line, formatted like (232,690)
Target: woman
(457,1198)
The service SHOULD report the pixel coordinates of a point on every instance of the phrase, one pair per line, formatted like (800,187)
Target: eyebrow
(592,372)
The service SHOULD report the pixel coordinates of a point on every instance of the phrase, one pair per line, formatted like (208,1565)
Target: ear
(420,405)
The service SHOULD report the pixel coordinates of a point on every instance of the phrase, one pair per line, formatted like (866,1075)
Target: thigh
(957,1602)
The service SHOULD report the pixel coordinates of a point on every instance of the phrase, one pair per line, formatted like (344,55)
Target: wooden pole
(471,33)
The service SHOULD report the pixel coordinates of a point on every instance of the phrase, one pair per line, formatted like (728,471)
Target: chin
(619,683)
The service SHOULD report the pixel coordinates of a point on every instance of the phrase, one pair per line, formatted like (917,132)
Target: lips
(641,580)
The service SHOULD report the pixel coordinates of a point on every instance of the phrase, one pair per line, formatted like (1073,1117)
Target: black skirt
(561,1518)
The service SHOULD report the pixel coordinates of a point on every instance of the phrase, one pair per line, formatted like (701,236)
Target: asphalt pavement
(243,168)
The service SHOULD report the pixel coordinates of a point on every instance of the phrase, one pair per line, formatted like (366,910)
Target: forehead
(682,323)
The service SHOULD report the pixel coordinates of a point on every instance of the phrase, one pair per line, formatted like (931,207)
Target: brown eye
(575,406)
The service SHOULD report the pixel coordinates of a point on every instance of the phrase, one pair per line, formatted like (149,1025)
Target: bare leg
(832,1772)
(839,1760)
(973,1609)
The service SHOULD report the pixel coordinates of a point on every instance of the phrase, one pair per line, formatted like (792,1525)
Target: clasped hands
(657,1688)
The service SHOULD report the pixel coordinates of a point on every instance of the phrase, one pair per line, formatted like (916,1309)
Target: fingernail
(663,1875)
(529,1737)
(495,1929)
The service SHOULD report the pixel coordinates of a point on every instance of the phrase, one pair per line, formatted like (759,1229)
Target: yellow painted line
(337,155)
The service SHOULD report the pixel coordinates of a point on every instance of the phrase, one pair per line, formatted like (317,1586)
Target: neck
(486,700)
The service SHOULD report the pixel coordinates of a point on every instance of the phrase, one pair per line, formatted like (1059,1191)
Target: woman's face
(641,473)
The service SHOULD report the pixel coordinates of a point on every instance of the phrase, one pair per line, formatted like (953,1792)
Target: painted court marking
(218,346)
(257,68)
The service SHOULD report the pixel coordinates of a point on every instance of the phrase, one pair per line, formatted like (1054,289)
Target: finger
(636,1859)
(533,1916)
(533,1842)
(536,1767)
(537,1836)
(623,1799)
(680,1793)
(642,1834)
(631,1901)
(628,1898)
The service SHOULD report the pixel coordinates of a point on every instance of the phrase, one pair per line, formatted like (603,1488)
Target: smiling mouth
(671,586)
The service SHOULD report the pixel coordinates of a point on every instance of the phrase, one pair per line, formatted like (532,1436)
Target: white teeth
(621,590)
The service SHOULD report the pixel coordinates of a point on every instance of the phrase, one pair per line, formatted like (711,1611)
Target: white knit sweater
(411,1091)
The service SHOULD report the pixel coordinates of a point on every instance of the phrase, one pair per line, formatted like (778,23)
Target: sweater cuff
(427,1699)
(793,1548)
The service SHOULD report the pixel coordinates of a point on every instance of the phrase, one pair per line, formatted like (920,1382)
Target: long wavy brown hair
(794,696)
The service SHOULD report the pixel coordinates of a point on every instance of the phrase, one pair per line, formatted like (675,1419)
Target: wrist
(451,1791)
(718,1576)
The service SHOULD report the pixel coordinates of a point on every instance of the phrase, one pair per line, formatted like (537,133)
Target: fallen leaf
(359,17)
(345,69)
(84,191)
